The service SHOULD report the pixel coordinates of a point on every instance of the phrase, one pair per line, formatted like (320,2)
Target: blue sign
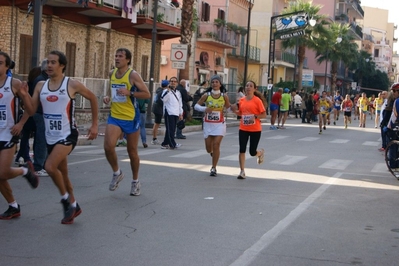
(307,83)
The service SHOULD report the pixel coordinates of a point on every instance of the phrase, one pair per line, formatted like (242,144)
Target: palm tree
(363,66)
(186,31)
(308,40)
(337,46)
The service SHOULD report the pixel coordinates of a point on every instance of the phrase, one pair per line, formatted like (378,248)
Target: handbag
(181,124)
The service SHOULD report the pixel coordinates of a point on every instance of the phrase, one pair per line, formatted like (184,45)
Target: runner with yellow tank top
(324,105)
(363,109)
(377,107)
(125,85)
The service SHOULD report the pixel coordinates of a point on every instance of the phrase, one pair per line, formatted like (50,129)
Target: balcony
(253,53)
(217,36)
(357,31)
(110,14)
(355,6)
(289,58)
(342,18)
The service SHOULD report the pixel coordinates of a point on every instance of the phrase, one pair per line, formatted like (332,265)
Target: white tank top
(58,112)
(7,110)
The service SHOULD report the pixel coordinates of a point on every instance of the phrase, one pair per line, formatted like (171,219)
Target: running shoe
(320,132)
(213,172)
(241,175)
(334,123)
(31,176)
(324,127)
(78,210)
(69,212)
(381,149)
(12,212)
(145,145)
(42,173)
(155,142)
(178,145)
(164,147)
(346,126)
(115,181)
(282,127)
(121,143)
(261,157)
(135,190)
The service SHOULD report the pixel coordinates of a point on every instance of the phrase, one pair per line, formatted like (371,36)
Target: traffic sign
(178,52)
(178,65)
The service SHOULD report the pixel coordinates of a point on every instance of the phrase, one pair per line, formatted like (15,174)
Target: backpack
(157,107)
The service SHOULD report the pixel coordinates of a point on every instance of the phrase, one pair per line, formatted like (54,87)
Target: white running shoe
(115,181)
(42,173)
(135,191)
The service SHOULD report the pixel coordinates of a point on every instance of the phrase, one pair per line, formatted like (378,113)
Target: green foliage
(193,122)
(219,22)
(194,25)
(160,17)
(379,81)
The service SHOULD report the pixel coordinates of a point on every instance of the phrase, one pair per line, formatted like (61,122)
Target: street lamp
(338,40)
(250,3)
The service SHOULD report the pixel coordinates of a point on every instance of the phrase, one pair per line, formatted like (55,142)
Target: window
(71,56)
(25,54)
(144,67)
(221,14)
(376,52)
(205,11)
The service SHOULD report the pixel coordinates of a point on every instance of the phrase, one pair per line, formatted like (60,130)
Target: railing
(115,4)
(342,17)
(253,52)
(220,34)
(166,13)
(357,29)
(289,58)
(356,5)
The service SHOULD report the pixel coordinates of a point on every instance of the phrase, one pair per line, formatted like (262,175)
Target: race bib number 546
(53,124)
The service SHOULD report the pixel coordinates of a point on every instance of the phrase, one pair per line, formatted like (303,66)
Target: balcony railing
(342,17)
(218,34)
(355,4)
(357,29)
(289,58)
(253,52)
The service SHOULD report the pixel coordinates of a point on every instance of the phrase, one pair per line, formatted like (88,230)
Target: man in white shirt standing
(173,112)
(297,105)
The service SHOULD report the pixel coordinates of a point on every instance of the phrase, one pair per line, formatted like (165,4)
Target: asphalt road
(317,200)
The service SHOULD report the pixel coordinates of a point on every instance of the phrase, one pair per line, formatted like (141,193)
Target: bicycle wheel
(391,158)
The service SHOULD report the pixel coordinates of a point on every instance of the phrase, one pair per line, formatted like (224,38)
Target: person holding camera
(173,112)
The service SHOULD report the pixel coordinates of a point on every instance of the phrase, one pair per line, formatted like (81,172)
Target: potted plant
(209,34)
(219,22)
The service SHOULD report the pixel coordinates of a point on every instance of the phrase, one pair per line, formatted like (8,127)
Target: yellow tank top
(324,105)
(121,106)
(363,104)
(217,105)
(378,103)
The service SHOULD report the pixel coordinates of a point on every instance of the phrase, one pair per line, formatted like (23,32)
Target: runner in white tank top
(57,96)
(9,135)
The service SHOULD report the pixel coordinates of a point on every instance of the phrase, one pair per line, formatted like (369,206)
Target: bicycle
(392,154)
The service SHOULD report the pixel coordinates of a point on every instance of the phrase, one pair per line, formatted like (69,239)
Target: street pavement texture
(316,200)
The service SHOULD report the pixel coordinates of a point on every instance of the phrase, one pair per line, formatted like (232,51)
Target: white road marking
(308,139)
(268,238)
(288,160)
(371,143)
(340,141)
(380,168)
(278,137)
(336,164)
(190,154)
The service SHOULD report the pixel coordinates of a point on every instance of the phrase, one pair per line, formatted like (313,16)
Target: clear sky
(393,7)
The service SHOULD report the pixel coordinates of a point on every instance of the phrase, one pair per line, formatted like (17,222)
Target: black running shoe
(10,213)
(78,210)
(213,172)
(69,212)
(31,176)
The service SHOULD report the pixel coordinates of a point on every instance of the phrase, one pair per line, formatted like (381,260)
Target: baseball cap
(286,90)
(395,87)
(164,83)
